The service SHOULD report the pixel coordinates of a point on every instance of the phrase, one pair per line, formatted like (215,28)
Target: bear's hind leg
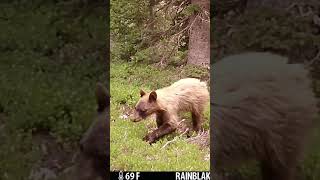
(196,120)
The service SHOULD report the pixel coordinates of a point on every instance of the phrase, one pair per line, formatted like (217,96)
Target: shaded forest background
(164,33)
(289,27)
(52,53)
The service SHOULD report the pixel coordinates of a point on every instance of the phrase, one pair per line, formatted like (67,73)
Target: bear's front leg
(164,129)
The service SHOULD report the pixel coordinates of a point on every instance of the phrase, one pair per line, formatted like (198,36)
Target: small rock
(123,116)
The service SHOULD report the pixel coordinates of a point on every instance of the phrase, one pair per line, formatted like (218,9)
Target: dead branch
(165,6)
(305,14)
(169,55)
(175,139)
(181,121)
(291,6)
(313,60)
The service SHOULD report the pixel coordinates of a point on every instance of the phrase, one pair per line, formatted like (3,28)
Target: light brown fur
(263,109)
(185,95)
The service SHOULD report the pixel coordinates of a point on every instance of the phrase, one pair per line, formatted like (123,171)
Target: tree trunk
(199,36)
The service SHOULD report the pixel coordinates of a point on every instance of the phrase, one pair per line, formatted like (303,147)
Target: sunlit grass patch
(128,151)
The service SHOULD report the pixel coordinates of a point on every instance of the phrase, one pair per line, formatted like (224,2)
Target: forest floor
(174,152)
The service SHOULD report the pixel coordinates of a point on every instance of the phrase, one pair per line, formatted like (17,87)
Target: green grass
(128,151)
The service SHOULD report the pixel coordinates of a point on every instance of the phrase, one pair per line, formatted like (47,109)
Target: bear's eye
(138,109)
(141,111)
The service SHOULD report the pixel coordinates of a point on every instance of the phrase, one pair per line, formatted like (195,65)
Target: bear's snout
(136,117)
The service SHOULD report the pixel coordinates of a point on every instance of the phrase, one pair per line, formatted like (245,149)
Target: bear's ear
(142,93)
(102,97)
(153,96)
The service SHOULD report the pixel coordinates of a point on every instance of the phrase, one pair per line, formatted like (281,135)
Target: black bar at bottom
(196,175)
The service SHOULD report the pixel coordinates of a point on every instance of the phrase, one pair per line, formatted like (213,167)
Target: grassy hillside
(128,150)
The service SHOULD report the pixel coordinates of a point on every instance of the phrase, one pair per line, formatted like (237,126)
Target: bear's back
(184,95)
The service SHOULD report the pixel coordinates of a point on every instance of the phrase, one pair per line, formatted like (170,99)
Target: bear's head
(93,160)
(147,105)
